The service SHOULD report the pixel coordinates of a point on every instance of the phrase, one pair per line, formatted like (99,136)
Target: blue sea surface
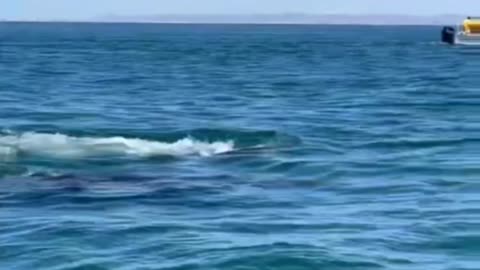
(150,146)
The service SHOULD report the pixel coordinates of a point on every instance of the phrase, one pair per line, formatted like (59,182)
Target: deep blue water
(130,146)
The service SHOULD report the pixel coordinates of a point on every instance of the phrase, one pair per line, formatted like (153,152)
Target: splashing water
(64,146)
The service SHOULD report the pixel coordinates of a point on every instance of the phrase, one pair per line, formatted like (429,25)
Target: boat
(467,33)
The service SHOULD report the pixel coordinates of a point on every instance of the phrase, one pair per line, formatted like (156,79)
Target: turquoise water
(136,146)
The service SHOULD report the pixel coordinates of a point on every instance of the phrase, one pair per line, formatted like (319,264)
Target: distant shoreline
(265,19)
(216,23)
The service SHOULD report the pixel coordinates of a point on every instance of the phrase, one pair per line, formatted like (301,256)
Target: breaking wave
(64,146)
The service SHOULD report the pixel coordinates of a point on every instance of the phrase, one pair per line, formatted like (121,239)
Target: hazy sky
(86,9)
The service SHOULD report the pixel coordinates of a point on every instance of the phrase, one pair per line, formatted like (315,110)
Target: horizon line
(261,18)
(215,23)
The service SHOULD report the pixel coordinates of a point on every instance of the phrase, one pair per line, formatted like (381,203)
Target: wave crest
(64,146)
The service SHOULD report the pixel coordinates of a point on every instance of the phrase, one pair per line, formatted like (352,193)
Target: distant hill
(392,19)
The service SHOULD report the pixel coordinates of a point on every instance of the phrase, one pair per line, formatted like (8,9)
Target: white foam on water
(7,153)
(64,146)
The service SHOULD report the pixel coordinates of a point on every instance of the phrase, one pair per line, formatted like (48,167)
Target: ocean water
(144,146)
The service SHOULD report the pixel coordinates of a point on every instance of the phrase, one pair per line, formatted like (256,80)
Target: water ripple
(145,146)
